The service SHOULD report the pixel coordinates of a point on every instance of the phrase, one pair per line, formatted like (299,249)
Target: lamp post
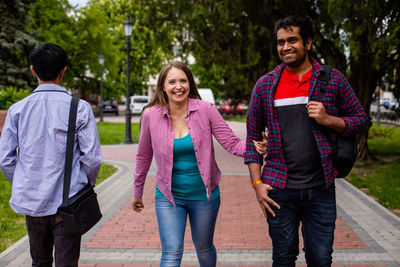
(128,26)
(101,62)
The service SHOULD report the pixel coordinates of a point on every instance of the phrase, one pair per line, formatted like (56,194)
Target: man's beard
(297,62)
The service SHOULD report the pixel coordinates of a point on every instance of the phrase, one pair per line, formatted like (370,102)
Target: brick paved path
(366,233)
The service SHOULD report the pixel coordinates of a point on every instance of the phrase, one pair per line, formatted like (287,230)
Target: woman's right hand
(261,146)
(137,204)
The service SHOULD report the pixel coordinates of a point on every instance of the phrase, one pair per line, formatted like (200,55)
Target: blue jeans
(316,209)
(172,225)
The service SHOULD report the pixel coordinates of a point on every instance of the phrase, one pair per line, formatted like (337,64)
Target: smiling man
(296,183)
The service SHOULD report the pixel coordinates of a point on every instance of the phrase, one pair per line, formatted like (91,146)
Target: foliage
(97,28)
(369,31)
(114,133)
(233,43)
(11,95)
(54,21)
(12,225)
(15,45)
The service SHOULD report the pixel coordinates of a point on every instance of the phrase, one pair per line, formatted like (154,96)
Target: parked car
(206,94)
(139,103)
(110,106)
(226,108)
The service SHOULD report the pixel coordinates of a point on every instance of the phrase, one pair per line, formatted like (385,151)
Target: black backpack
(345,148)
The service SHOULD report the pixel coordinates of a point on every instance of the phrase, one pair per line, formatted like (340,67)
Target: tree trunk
(364,78)
(363,152)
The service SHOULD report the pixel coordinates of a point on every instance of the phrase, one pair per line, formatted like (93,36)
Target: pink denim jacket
(157,137)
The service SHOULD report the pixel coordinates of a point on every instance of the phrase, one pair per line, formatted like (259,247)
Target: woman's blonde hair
(160,97)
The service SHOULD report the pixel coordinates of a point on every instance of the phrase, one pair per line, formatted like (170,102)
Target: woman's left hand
(261,146)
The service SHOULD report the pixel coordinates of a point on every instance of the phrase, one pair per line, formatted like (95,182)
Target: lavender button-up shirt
(157,137)
(32,150)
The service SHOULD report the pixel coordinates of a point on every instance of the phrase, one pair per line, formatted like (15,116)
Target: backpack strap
(325,74)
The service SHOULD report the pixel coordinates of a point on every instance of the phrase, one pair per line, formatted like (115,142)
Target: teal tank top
(187,183)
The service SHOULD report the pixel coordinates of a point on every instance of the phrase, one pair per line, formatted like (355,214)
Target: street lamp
(101,62)
(128,26)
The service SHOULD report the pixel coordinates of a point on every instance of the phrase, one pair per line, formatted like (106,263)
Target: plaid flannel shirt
(339,100)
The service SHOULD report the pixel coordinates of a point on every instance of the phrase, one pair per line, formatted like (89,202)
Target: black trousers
(46,232)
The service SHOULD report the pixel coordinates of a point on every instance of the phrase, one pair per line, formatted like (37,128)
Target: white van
(207,95)
(138,103)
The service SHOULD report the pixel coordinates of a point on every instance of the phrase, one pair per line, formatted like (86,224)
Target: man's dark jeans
(44,232)
(316,209)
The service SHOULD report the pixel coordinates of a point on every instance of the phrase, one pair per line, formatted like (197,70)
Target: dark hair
(48,60)
(160,97)
(304,23)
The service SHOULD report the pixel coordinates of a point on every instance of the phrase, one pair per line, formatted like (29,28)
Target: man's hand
(264,200)
(261,146)
(316,110)
(137,204)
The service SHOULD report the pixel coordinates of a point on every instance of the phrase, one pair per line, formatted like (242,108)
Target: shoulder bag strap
(69,150)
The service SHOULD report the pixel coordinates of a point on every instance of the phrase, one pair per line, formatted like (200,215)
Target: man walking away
(32,157)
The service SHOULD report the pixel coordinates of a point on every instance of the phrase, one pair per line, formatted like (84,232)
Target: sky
(81,3)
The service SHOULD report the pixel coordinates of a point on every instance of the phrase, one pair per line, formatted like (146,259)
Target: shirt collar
(316,67)
(193,105)
(50,86)
(294,77)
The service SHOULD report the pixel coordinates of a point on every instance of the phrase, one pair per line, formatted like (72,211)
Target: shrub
(10,95)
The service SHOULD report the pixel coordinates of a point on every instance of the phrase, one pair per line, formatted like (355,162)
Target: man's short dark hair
(304,23)
(48,60)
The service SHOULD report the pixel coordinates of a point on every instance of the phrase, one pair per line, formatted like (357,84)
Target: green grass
(114,133)
(380,178)
(384,141)
(106,171)
(236,118)
(12,225)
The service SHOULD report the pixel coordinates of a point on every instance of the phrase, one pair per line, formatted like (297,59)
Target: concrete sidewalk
(366,233)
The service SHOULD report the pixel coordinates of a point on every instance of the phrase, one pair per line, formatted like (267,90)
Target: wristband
(256,183)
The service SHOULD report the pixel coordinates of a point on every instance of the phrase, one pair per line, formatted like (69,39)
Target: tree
(15,45)
(233,43)
(232,40)
(79,32)
(97,28)
(149,41)
(370,32)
